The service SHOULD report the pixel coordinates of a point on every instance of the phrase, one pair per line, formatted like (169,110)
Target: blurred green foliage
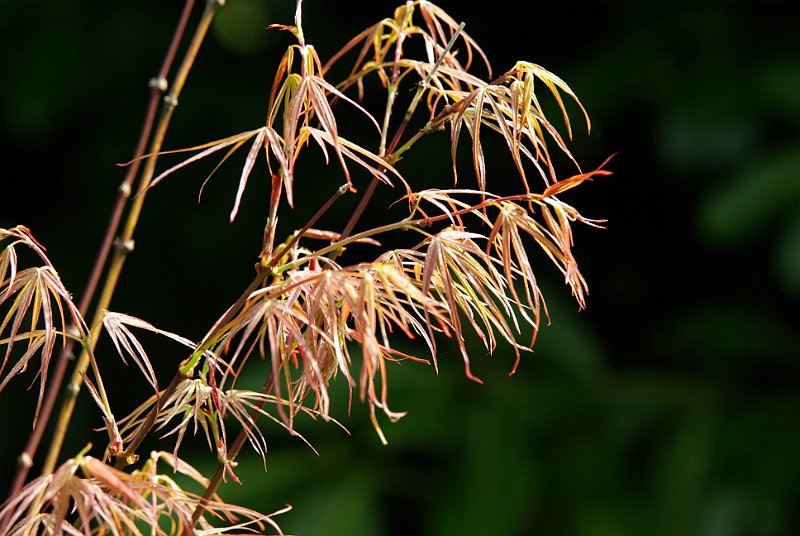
(670,406)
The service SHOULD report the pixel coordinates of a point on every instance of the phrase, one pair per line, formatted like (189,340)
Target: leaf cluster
(306,315)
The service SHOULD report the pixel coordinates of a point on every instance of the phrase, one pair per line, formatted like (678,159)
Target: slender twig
(124,244)
(188,366)
(299,234)
(422,86)
(157,88)
(272,219)
(232,452)
(128,456)
(431,126)
(391,89)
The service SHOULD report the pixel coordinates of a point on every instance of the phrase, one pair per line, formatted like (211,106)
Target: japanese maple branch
(186,369)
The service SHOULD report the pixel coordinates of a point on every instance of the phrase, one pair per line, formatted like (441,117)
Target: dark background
(669,406)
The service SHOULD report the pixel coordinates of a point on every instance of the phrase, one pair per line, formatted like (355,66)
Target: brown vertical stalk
(124,243)
(157,88)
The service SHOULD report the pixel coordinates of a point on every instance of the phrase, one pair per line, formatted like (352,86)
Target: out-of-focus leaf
(346,508)
(699,135)
(725,333)
(234,29)
(491,498)
(570,341)
(727,514)
(787,257)
(779,85)
(682,472)
(744,207)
